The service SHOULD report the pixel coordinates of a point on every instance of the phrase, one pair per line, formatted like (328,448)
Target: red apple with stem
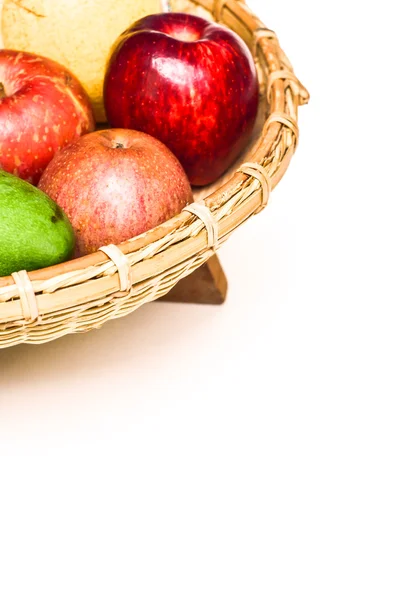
(188,82)
(43,107)
(115,184)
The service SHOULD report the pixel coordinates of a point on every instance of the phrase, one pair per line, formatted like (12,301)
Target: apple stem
(2,91)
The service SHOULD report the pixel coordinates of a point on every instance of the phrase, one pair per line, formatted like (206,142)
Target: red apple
(43,107)
(115,184)
(188,82)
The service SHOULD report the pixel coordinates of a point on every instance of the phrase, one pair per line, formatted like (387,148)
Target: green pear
(34,231)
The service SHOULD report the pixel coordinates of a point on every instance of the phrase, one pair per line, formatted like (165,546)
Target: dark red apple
(115,184)
(43,107)
(188,82)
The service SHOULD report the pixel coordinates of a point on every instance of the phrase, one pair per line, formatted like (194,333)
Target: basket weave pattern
(83,294)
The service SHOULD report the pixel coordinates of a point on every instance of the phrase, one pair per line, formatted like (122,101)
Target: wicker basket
(82,294)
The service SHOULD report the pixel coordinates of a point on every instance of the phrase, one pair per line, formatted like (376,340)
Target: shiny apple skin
(115,184)
(188,82)
(43,108)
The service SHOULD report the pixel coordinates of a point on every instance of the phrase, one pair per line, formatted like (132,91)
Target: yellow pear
(77,33)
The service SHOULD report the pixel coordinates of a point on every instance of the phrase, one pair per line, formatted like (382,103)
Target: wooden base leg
(206,285)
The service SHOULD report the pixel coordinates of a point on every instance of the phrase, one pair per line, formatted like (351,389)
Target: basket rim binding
(147,266)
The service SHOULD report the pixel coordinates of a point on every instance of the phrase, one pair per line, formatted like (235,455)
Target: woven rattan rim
(258,172)
(84,293)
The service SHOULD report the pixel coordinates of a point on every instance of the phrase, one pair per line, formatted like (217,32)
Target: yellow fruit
(77,33)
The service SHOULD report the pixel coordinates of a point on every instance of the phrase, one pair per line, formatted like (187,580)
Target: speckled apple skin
(45,108)
(188,82)
(115,184)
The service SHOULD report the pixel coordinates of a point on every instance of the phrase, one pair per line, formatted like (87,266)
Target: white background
(246,451)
